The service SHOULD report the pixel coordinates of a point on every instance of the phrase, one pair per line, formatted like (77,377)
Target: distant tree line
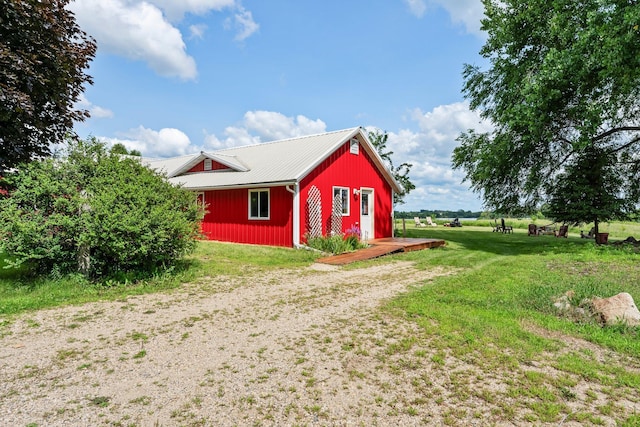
(438,214)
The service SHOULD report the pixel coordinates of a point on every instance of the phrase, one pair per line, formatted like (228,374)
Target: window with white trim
(343,194)
(259,201)
(208,164)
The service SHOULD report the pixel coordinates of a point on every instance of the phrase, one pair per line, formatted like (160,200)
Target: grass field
(495,312)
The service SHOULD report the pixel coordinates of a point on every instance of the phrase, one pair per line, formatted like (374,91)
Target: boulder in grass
(617,309)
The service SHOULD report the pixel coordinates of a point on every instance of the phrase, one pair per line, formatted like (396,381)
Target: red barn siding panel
(228,220)
(343,169)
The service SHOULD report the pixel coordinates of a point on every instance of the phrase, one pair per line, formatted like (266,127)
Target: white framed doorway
(367,229)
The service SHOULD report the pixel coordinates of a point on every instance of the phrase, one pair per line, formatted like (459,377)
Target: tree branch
(616,130)
(628,144)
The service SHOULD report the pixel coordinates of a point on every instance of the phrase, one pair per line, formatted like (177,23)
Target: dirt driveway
(294,347)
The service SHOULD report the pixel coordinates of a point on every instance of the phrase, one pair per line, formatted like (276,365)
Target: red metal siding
(228,218)
(214,166)
(343,169)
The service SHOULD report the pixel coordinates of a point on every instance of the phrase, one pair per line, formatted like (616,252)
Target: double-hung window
(259,204)
(343,194)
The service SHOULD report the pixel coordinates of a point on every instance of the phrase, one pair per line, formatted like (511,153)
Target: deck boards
(381,247)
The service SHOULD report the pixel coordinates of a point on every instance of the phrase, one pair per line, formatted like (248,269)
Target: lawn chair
(532,230)
(497,228)
(430,222)
(418,222)
(563,231)
(590,235)
(506,228)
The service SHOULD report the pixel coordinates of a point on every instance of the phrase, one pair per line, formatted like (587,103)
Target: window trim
(258,191)
(347,198)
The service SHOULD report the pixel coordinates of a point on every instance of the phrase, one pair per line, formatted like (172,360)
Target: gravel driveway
(292,347)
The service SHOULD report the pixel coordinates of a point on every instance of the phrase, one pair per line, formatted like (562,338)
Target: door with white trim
(366,215)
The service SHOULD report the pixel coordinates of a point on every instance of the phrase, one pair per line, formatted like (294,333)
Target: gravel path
(294,347)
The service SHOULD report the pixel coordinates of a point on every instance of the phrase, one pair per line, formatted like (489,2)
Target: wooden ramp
(381,247)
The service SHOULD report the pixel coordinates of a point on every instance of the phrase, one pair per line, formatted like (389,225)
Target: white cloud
(166,142)
(243,23)
(417,7)
(429,149)
(144,30)
(176,9)
(96,111)
(273,126)
(262,126)
(465,12)
(197,31)
(136,30)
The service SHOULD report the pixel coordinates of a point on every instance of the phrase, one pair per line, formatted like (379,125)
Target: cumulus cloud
(261,126)
(465,12)
(429,150)
(145,31)
(176,9)
(96,111)
(136,30)
(166,142)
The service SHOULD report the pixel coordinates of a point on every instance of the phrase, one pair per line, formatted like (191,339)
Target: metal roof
(273,163)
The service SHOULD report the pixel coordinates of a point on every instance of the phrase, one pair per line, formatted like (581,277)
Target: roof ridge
(276,141)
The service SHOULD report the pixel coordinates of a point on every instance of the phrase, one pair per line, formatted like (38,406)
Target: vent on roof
(208,164)
(354,146)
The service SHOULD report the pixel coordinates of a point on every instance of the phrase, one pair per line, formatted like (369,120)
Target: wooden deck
(381,247)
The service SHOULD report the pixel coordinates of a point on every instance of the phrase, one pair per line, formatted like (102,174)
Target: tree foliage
(43,55)
(400,173)
(126,217)
(119,148)
(563,94)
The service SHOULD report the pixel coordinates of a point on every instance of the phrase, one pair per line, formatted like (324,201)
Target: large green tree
(400,173)
(563,92)
(97,211)
(43,57)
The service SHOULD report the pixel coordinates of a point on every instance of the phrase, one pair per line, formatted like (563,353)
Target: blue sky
(176,77)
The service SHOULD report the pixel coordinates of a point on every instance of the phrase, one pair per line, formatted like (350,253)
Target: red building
(280,192)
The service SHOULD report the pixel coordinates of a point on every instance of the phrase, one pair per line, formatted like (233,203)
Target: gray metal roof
(273,163)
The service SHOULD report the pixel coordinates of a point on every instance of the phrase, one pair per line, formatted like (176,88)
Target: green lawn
(516,278)
(495,312)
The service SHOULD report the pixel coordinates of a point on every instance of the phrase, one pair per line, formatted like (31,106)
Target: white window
(343,194)
(208,164)
(259,204)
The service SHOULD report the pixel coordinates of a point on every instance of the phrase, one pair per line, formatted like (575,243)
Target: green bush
(126,217)
(336,244)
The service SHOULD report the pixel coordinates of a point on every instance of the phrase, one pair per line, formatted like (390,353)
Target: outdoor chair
(590,235)
(532,230)
(430,222)
(506,228)
(497,228)
(563,231)
(418,222)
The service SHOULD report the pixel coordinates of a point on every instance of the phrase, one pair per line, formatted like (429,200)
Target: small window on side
(259,204)
(208,164)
